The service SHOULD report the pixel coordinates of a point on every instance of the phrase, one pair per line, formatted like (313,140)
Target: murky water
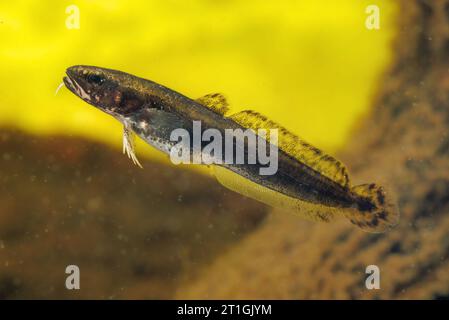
(74,211)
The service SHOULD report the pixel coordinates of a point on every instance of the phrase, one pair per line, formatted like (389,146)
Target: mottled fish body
(307,181)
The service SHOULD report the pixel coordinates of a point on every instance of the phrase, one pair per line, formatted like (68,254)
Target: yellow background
(310,65)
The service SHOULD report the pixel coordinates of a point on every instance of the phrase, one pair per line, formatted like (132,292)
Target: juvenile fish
(308,182)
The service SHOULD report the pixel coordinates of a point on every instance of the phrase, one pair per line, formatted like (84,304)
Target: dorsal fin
(296,147)
(216,102)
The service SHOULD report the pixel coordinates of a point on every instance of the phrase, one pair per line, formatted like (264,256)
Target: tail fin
(376,212)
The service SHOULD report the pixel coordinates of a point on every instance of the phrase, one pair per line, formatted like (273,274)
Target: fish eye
(96,79)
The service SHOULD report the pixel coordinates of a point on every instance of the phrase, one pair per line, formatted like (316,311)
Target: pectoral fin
(129,143)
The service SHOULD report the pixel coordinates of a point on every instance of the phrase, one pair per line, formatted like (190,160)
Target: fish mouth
(73,85)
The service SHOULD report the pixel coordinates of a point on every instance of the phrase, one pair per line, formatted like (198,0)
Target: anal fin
(248,188)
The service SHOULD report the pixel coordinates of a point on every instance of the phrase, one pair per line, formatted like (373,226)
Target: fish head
(114,92)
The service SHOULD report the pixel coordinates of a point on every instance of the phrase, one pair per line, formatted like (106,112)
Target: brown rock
(133,233)
(404,144)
